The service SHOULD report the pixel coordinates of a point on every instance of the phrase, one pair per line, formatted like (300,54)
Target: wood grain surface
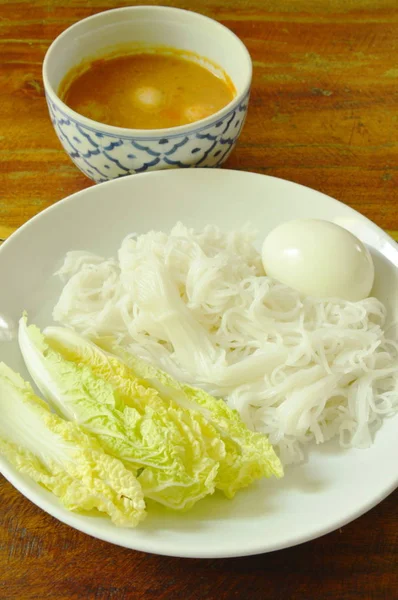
(323,113)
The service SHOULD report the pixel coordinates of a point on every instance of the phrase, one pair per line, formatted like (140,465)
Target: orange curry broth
(146,90)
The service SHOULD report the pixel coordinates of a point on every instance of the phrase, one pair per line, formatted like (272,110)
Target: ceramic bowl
(105,152)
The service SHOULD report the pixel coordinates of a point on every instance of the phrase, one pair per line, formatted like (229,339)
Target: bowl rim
(125,132)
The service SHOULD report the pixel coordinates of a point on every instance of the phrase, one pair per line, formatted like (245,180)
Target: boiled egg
(148,98)
(319,258)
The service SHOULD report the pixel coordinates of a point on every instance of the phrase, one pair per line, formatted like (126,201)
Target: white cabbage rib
(58,455)
(199,305)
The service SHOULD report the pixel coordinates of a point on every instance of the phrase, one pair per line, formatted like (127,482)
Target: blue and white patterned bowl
(105,152)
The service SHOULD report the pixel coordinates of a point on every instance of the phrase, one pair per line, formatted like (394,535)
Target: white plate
(334,486)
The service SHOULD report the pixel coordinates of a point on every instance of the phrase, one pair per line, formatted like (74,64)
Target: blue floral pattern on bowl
(102,156)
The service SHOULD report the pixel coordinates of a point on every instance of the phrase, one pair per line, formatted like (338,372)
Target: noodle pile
(199,305)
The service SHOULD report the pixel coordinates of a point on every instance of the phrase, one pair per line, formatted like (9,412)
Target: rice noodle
(199,305)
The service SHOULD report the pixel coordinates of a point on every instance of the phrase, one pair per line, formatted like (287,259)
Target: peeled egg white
(148,97)
(319,258)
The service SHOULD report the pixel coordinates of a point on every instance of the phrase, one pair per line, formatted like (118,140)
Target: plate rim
(178,172)
(68,518)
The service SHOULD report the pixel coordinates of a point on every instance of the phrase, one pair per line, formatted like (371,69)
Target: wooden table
(324,113)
